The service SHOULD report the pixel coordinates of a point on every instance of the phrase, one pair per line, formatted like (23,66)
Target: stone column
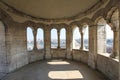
(69,36)
(81,48)
(115,28)
(81,33)
(35,42)
(115,44)
(58,33)
(92,46)
(47,42)
(119,41)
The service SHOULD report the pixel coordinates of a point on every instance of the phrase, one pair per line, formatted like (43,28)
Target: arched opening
(76,38)
(104,37)
(54,38)
(86,37)
(109,39)
(40,38)
(63,38)
(30,39)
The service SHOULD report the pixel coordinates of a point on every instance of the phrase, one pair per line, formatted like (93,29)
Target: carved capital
(80,29)
(115,29)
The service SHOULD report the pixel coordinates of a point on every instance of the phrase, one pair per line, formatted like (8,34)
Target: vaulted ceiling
(52,8)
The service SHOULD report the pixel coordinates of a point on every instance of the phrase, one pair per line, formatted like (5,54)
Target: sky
(29,34)
(40,34)
(109,33)
(76,33)
(54,34)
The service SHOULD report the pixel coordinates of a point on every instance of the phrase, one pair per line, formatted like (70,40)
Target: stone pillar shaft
(58,33)
(47,42)
(119,42)
(35,42)
(81,33)
(69,44)
(81,48)
(115,43)
(92,47)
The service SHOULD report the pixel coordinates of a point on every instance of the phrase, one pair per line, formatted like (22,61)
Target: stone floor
(2,75)
(55,70)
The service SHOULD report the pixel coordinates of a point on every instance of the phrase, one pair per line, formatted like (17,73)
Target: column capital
(80,29)
(115,29)
(34,32)
(81,32)
(58,31)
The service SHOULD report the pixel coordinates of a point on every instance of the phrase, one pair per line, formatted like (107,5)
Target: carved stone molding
(106,12)
(80,14)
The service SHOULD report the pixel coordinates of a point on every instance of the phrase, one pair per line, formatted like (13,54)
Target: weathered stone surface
(13,42)
(81,56)
(58,53)
(35,55)
(108,66)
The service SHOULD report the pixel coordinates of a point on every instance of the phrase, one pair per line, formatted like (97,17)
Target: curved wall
(81,56)
(18,56)
(108,66)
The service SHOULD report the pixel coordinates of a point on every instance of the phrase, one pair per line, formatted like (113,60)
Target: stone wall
(3,58)
(36,55)
(108,66)
(81,56)
(16,45)
(58,53)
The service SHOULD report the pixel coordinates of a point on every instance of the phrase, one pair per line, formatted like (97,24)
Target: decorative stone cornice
(80,14)
(84,21)
(6,18)
(110,13)
(106,12)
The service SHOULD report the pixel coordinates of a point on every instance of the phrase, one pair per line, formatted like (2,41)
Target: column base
(35,49)
(92,60)
(58,47)
(69,55)
(113,55)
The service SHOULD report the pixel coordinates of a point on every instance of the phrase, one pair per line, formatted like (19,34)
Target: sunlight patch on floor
(57,62)
(72,74)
